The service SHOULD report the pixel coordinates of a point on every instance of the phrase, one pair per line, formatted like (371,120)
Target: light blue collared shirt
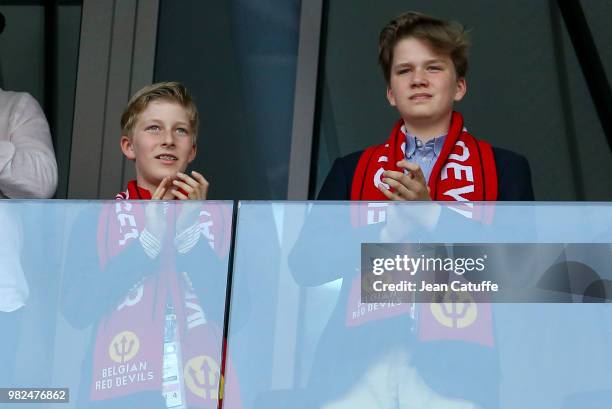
(423,154)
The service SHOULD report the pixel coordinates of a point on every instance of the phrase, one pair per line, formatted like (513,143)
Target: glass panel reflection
(307,340)
(126,300)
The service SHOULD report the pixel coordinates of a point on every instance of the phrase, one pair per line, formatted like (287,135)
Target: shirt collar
(412,141)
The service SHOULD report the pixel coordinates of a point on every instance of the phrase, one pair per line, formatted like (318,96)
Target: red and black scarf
(129,345)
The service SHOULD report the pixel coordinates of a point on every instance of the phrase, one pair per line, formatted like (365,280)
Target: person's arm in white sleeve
(27,161)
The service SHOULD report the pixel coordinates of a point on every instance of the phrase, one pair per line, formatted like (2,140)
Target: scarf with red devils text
(464,172)
(159,338)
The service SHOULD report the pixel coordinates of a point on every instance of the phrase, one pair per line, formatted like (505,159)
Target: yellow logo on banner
(456,310)
(124,347)
(202,376)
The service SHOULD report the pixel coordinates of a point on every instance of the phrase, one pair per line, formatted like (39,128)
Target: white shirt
(27,161)
(27,170)
(14,289)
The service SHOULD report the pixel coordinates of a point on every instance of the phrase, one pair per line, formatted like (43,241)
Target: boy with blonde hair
(159,132)
(151,277)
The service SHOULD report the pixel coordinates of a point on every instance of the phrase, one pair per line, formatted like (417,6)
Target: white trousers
(393,383)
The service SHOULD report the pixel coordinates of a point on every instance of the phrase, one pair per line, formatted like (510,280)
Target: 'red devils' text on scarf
(129,345)
(464,172)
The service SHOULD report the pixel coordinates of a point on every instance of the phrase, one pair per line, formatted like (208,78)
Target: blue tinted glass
(121,302)
(300,337)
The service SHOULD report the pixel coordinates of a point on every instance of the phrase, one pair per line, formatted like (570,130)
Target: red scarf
(464,172)
(128,352)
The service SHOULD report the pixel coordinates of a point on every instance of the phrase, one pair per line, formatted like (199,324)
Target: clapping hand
(410,185)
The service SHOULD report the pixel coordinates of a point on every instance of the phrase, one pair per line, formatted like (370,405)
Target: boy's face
(161,143)
(423,84)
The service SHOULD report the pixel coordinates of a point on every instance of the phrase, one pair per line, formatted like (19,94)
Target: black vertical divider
(319,97)
(590,62)
(566,101)
(228,299)
(50,62)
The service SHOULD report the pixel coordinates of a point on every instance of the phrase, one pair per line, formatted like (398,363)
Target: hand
(409,221)
(407,186)
(413,220)
(155,221)
(162,189)
(196,186)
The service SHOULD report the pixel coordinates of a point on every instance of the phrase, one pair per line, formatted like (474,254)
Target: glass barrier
(121,303)
(301,337)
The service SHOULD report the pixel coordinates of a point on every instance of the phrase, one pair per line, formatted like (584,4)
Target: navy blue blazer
(339,344)
(513,174)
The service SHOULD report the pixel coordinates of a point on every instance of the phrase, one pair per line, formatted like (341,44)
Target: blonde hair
(164,91)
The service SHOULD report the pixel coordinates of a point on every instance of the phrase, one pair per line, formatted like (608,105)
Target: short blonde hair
(164,91)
